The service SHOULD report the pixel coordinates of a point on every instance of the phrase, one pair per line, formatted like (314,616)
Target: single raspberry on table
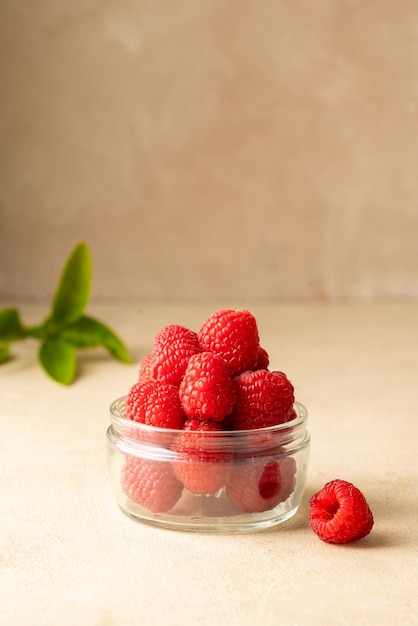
(339,513)
(152,484)
(234,336)
(263,398)
(200,465)
(257,486)
(155,403)
(206,390)
(172,349)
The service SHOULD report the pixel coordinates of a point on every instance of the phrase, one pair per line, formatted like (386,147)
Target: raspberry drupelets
(144,372)
(261,486)
(199,465)
(206,390)
(263,398)
(151,484)
(173,347)
(339,513)
(263,359)
(154,403)
(233,335)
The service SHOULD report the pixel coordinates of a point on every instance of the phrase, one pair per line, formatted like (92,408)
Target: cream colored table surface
(69,556)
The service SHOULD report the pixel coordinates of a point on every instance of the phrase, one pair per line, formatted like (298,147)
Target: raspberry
(154,403)
(200,466)
(173,346)
(144,372)
(234,336)
(263,360)
(339,513)
(259,486)
(264,398)
(206,390)
(152,484)
(291,415)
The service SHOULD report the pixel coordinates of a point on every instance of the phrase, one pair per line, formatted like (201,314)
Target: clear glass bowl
(226,481)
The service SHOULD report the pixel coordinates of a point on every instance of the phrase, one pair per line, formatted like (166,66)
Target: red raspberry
(144,372)
(154,403)
(339,513)
(173,347)
(200,465)
(263,359)
(234,336)
(291,415)
(255,487)
(264,398)
(206,390)
(152,484)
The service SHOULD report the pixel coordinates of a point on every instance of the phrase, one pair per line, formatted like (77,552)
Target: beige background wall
(211,149)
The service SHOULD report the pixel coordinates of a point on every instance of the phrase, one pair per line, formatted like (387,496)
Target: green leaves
(4,352)
(88,332)
(58,359)
(73,290)
(67,329)
(11,328)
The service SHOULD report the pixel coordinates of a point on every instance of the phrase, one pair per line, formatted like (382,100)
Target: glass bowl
(218,481)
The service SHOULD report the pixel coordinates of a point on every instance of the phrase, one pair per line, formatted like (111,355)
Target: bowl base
(234,524)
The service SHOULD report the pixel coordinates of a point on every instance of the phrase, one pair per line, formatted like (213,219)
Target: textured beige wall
(211,149)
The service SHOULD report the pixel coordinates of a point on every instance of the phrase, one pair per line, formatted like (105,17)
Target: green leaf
(59,360)
(11,328)
(88,332)
(38,332)
(4,353)
(73,289)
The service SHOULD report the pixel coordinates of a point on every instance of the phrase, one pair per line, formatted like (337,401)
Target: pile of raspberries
(214,380)
(217,376)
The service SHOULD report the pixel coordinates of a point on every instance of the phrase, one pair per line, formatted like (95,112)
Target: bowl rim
(118,419)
